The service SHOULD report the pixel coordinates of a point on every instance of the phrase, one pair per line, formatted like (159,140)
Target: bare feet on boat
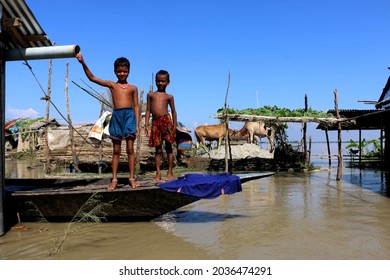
(157,178)
(133,184)
(113,185)
(169,178)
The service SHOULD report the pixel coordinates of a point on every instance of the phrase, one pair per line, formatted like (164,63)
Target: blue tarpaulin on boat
(204,185)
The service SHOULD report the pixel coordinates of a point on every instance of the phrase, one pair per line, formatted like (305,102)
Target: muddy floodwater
(283,217)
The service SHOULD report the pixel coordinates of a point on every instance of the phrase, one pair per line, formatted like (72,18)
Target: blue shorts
(122,124)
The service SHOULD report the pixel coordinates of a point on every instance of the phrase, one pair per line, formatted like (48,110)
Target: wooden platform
(61,199)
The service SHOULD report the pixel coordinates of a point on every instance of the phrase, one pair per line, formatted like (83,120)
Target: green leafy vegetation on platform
(24,126)
(274,111)
(25,123)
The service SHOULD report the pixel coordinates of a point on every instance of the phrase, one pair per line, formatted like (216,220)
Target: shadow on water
(374,180)
(180,216)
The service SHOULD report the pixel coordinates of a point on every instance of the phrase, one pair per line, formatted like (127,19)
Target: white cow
(258,129)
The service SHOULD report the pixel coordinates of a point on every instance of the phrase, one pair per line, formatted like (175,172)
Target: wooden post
(381,142)
(387,143)
(309,150)
(360,147)
(339,156)
(304,135)
(101,141)
(74,162)
(47,98)
(328,146)
(139,142)
(227,144)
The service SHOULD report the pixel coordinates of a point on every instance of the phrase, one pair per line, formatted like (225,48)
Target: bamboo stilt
(339,155)
(304,135)
(328,146)
(309,151)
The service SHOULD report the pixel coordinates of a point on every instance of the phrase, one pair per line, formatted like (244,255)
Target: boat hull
(59,200)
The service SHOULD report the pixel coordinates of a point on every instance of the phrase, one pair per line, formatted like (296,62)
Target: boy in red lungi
(163,124)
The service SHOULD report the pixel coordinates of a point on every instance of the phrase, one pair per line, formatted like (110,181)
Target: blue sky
(275,52)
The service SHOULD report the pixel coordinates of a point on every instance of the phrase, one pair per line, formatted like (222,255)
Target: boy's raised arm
(89,74)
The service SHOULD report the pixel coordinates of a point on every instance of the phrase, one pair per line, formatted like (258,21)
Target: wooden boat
(61,199)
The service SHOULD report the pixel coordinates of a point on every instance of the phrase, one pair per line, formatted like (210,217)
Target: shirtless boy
(124,123)
(163,125)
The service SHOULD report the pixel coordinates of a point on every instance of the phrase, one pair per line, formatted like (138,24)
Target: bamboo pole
(74,162)
(47,98)
(256,118)
(100,150)
(227,143)
(360,147)
(381,141)
(138,151)
(339,155)
(304,134)
(309,151)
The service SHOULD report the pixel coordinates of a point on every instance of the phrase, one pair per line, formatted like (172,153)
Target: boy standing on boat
(124,123)
(163,124)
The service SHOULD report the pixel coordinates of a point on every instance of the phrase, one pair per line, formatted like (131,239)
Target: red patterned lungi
(162,129)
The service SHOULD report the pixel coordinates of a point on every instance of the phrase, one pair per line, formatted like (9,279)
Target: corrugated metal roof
(19,27)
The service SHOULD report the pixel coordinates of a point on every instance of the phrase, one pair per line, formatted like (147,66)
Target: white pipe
(42,53)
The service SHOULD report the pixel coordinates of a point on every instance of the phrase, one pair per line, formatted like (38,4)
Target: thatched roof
(37,125)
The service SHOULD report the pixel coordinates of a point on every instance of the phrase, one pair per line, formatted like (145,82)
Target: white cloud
(21,113)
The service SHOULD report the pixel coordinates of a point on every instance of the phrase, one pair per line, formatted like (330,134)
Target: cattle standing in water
(212,132)
(258,129)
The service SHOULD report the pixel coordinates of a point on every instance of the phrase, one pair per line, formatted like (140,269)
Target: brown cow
(211,133)
(258,129)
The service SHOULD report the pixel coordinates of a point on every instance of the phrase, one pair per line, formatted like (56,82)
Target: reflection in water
(285,216)
(27,168)
(372,180)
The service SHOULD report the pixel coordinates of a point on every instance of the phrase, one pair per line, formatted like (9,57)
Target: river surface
(306,216)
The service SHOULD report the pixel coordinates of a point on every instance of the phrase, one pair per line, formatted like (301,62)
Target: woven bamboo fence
(88,151)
